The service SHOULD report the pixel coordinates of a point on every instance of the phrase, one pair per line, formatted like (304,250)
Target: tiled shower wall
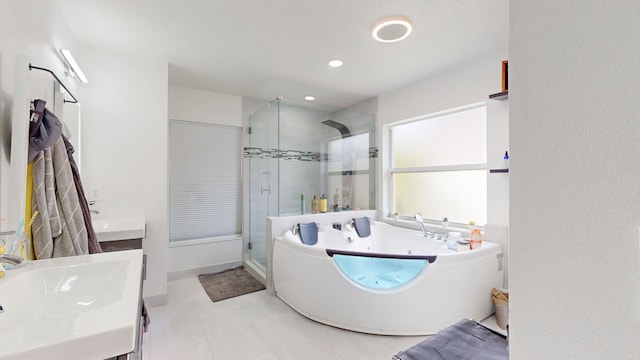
(283,165)
(303,153)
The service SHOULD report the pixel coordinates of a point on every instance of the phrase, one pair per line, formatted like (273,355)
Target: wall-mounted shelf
(504,95)
(495,171)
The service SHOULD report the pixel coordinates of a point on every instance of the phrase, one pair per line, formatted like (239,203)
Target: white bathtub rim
(366,330)
(443,255)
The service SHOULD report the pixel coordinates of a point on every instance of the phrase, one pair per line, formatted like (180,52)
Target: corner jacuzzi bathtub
(393,282)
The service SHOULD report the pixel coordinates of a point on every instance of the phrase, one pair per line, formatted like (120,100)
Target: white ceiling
(268,48)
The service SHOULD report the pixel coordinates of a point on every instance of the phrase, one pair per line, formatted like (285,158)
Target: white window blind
(204,185)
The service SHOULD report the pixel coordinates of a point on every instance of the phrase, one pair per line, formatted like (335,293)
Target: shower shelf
(504,95)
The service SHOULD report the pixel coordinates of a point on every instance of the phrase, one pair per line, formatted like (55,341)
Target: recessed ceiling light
(309,98)
(335,63)
(392,29)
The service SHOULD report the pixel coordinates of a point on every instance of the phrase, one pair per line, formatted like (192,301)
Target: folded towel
(44,201)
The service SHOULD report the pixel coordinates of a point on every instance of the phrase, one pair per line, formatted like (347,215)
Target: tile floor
(253,327)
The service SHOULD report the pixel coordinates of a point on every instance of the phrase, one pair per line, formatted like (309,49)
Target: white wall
(575,189)
(37,29)
(124,155)
(468,82)
(204,106)
(369,106)
(213,108)
(497,144)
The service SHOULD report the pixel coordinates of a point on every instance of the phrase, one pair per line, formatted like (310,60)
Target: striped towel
(72,239)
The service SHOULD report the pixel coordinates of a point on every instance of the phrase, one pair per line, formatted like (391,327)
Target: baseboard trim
(155,300)
(256,272)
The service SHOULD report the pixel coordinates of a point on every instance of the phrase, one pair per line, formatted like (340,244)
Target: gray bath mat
(465,339)
(229,284)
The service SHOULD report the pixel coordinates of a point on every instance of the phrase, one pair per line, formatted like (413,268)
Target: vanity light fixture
(309,98)
(336,63)
(73,65)
(392,29)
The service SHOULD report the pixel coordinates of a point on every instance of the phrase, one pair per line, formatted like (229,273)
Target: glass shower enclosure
(293,152)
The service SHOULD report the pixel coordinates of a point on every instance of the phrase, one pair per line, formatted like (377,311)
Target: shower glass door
(262,154)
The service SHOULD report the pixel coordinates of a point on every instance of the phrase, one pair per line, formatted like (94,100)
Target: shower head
(277,98)
(344,131)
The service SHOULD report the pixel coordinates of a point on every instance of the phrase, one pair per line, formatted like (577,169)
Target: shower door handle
(266,188)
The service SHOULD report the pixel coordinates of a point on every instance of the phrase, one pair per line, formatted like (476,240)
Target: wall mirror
(69,113)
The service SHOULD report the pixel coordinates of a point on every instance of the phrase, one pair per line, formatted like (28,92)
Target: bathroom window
(438,166)
(204,181)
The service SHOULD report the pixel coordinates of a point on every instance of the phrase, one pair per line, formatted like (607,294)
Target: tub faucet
(420,220)
(10,259)
(442,237)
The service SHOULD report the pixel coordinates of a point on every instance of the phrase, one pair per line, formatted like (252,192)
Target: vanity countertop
(119,229)
(78,307)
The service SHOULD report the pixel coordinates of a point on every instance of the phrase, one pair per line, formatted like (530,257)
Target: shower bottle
(323,204)
(475,239)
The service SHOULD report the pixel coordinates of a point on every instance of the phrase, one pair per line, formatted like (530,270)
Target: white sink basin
(119,229)
(79,307)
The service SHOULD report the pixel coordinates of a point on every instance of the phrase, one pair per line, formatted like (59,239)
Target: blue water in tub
(379,273)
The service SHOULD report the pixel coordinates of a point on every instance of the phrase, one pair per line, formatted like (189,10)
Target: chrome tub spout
(11,259)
